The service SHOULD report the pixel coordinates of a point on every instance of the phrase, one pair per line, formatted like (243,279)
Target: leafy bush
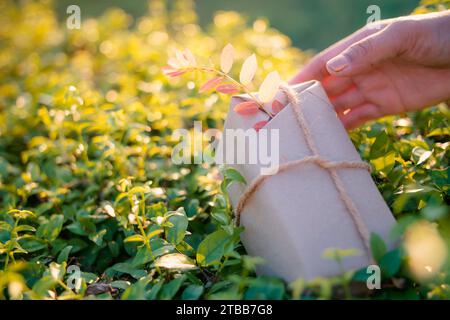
(92,206)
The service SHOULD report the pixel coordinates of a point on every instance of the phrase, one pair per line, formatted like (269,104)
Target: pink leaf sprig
(277,106)
(259,125)
(246,108)
(184,61)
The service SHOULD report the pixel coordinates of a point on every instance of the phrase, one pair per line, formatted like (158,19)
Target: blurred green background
(311,24)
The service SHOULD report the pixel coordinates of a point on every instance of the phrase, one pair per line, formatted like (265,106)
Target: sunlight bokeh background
(310,24)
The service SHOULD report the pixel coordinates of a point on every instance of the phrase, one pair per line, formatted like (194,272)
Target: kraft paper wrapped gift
(295,215)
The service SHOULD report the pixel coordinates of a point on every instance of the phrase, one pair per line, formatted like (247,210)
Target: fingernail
(337,64)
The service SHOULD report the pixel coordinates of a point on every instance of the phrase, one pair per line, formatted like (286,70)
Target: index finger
(316,68)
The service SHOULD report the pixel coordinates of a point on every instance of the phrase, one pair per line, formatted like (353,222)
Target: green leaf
(83,227)
(159,247)
(385,163)
(5,226)
(50,229)
(361,275)
(230,176)
(129,269)
(43,285)
(16,246)
(221,216)
(97,237)
(32,243)
(213,247)
(192,207)
(120,284)
(391,262)
(265,288)
(233,175)
(136,291)
(24,228)
(192,292)
(153,293)
(64,254)
(377,247)
(380,147)
(179,220)
(170,289)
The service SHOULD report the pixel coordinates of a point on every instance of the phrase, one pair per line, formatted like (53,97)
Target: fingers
(337,85)
(363,55)
(348,100)
(316,69)
(360,115)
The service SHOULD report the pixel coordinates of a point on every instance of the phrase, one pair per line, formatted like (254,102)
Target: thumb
(363,55)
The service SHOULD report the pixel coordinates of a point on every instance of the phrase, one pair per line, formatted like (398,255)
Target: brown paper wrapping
(296,215)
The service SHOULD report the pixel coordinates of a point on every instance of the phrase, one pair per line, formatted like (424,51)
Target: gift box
(314,194)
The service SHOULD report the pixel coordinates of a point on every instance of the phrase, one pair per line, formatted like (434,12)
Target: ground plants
(91,205)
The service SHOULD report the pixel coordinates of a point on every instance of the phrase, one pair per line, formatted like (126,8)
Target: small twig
(238,84)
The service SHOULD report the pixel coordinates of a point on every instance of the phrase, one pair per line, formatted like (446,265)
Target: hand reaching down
(404,65)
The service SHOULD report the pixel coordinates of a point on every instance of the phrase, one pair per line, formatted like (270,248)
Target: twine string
(331,166)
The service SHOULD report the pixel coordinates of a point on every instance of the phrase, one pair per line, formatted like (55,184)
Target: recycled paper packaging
(295,215)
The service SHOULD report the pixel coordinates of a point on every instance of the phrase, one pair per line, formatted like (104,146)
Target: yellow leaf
(439,132)
(385,163)
(138,189)
(227,58)
(154,233)
(248,70)
(269,87)
(135,238)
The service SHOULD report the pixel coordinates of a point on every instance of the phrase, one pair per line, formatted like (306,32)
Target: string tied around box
(331,166)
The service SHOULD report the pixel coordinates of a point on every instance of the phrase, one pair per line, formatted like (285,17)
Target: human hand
(402,66)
